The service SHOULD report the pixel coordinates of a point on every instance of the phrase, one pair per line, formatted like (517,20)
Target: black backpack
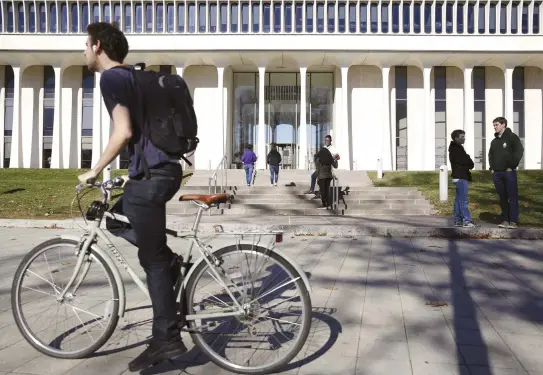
(167,117)
(325,156)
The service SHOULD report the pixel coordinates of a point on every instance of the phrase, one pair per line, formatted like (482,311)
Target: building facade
(388,79)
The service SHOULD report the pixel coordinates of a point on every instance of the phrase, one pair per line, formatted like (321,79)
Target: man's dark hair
(456,133)
(501,120)
(329,137)
(249,146)
(112,39)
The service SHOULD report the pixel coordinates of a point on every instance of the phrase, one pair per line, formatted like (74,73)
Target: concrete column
(97,120)
(508,91)
(16,158)
(261,148)
(303,156)
(220,88)
(469,146)
(179,70)
(428,151)
(56,153)
(386,140)
(342,141)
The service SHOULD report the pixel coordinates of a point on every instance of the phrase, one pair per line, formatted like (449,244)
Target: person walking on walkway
(248,158)
(461,164)
(324,163)
(506,152)
(273,160)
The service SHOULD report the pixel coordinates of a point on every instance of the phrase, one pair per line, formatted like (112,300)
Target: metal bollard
(379,168)
(443,183)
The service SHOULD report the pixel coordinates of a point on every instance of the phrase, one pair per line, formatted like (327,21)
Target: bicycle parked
(224,322)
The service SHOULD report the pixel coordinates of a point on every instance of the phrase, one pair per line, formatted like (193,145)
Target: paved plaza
(381,305)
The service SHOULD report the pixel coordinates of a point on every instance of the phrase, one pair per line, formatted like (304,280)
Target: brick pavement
(370,311)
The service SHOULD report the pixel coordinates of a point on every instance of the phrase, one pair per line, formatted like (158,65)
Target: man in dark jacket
(461,164)
(273,160)
(504,156)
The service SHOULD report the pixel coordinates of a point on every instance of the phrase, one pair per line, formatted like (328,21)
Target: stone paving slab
(373,226)
(372,309)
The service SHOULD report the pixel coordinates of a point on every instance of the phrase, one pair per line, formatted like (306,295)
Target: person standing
(273,160)
(506,152)
(335,155)
(325,161)
(248,158)
(461,163)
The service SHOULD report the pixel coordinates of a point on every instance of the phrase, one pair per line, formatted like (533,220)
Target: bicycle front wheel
(267,286)
(83,321)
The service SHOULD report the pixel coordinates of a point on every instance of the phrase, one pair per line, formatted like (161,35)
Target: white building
(387,79)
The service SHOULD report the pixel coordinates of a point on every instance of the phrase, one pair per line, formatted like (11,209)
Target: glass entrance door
(282,108)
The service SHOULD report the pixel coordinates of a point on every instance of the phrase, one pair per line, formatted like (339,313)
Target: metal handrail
(213,178)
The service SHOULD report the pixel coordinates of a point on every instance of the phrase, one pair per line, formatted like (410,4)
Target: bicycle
(235,299)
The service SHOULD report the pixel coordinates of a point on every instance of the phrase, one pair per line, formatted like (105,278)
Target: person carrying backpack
(273,160)
(248,158)
(324,163)
(153,114)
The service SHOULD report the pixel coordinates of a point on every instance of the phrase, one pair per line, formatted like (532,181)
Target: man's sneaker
(504,224)
(512,225)
(469,224)
(157,352)
(310,191)
(458,224)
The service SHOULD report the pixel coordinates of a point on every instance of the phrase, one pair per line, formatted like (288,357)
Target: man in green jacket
(504,156)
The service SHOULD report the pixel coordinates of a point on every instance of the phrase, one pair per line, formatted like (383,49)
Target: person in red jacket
(461,164)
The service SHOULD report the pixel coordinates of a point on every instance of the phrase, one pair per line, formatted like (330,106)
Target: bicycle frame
(88,240)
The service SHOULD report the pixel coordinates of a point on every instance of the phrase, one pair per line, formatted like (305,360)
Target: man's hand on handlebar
(88,177)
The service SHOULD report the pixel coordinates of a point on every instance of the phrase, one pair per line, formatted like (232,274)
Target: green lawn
(483,200)
(42,193)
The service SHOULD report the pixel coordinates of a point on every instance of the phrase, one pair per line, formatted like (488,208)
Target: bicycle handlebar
(104,186)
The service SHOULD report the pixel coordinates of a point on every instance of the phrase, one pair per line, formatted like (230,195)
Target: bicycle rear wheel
(225,340)
(91,323)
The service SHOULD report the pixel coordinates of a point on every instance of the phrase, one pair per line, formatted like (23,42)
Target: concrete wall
(533,102)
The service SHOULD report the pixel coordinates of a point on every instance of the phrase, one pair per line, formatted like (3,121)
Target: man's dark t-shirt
(117,87)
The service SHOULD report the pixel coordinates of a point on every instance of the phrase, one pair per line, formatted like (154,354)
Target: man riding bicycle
(144,200)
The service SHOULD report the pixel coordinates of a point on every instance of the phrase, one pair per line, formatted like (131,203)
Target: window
(470,20)
(31,21)
(202,17)
(139,18)
(245,17)
(320,17)
(518,107)
(525,18)
(74,21)
(224,17)
(384,17)
(439,18)
(53,18)
(449,18)
(117,13)
(21,14)
(95,13)
(128,18)
(395,18)
(363,17)
(331,17)
(416,18)
(352,18)
(192,17)
(107,13)
(298,14)
(10,18)
(536,18)
(406,16)
(481,21)
(401,117)
(503,19)
(170,10)
(48,121)
(514,18)
(288,18)
(460,18)
(309,17)
(373,17)
(234,18)
(265,17)
(427,18)
(63,18)
(43,26)
(148,18)
(181,18)
(492,19)
(84,16)
(341,22)
(159,18)
(440,87)
(277,17)
(9,84)
(479,129)
(212,18)
(48,82)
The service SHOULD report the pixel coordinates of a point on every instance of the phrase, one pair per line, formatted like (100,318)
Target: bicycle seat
(208,199)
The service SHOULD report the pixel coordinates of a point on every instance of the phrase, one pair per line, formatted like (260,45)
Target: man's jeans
(248,172)
(507,189)
(274,173)
(461,208)
(144,204)
(313,180)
